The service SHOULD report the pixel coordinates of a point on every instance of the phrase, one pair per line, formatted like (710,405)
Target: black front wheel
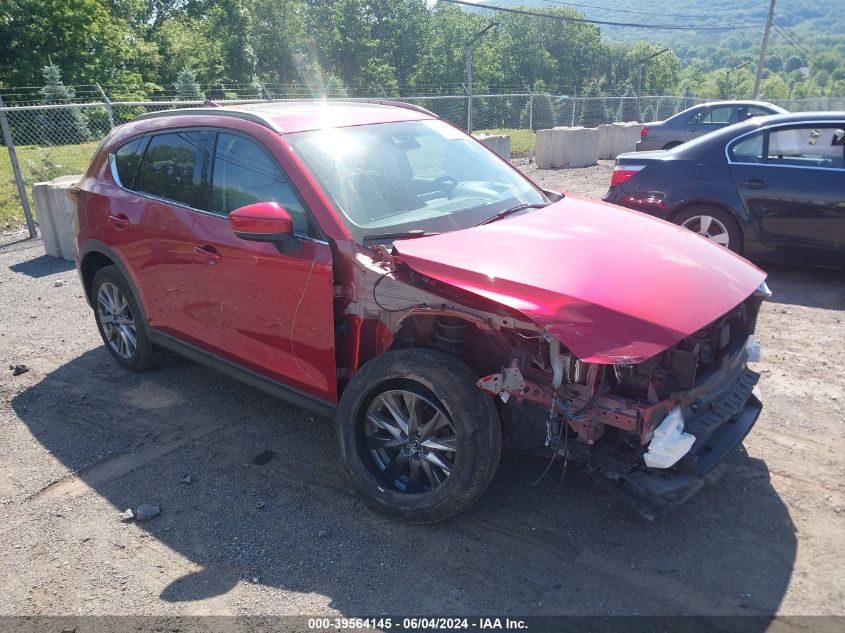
(419,439)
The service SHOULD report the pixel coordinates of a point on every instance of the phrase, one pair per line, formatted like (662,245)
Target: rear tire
(714,223)
(420,441)
(672,144)
(119,320)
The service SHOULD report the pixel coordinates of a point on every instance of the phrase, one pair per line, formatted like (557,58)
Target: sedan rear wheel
(714,223)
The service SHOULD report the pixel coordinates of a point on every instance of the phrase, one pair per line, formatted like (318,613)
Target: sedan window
(245,173)
(807,147)
(174,167)
(749,150)
(712,116)
(747,112)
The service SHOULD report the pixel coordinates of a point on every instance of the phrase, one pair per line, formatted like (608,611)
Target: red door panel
(268,311)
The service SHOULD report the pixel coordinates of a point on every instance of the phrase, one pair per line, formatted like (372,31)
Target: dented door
(266,310)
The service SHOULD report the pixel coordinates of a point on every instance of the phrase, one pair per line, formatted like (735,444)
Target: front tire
(119,320)
(420,441)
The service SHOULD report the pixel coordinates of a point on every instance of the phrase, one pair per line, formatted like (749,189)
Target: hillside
(804,17)
(806,49)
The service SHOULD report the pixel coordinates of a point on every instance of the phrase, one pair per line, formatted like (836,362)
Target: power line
(615,10)
(561,18)
(794,45)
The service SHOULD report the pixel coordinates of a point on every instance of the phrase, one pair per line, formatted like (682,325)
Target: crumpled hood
(613,285)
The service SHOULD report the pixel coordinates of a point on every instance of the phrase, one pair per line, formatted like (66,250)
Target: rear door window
(807,147)
(245,173)
(175,167)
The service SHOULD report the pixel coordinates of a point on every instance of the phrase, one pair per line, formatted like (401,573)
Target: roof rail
(212,111)
(396,104)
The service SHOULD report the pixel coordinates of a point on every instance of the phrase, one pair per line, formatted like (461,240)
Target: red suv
(373,262)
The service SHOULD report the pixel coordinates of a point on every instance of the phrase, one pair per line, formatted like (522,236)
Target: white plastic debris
(669,443)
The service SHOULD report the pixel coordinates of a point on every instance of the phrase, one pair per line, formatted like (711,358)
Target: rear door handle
(209,253)
(120,220)
(755,183)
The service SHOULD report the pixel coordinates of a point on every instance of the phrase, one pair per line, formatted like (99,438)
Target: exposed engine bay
(651,431)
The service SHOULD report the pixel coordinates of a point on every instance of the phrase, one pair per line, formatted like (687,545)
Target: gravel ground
(81,440)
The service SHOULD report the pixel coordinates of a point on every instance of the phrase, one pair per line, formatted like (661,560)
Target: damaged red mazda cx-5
(371,261)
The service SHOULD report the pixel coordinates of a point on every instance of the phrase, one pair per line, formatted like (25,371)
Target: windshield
(421,176)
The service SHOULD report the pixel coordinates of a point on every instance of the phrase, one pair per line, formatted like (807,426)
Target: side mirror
(262,222)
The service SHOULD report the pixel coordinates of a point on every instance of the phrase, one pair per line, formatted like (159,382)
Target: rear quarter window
(126,161)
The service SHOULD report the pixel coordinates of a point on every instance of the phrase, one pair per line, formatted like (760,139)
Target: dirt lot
(81,440)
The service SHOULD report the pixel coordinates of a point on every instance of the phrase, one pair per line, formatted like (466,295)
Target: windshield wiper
(400,234)
(506,212)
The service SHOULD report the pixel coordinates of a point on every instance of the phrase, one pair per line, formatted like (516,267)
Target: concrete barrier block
(567,147)
(499,143)
(626,137)
(605,140)
(56,214)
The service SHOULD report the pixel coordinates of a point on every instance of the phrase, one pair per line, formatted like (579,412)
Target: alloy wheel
(117,320)
(411,440)
(710,227)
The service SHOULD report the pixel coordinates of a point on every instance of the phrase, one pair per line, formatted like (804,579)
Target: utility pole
(640,76)
(468,55)
(765,45)
(728,72)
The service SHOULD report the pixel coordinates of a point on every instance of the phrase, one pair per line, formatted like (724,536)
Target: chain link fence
(45,141)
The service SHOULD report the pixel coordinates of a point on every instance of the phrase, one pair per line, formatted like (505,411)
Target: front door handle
(208,253)
(119,220)
(755,183)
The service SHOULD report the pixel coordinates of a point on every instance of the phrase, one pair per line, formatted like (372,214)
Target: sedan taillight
(621,173)
(643,132)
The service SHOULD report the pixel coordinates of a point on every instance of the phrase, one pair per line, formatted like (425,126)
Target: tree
(793,63)
(627,110)
(82,37)
(774,88)
(542,110)
(61,126)
(592,107)
(774,63)
(187,88)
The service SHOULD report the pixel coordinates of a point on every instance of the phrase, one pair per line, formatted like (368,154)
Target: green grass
(37,165)
(522,141)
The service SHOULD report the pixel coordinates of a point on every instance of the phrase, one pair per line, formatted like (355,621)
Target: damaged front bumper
(718,431)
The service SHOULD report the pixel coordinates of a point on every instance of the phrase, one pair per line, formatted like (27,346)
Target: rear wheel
(671,144)
(714,223)
(419,440)
(119,320)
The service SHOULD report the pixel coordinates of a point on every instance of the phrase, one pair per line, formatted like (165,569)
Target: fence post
(531,110)
(469,108)
(574,104)
(109,111)
(16,168)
